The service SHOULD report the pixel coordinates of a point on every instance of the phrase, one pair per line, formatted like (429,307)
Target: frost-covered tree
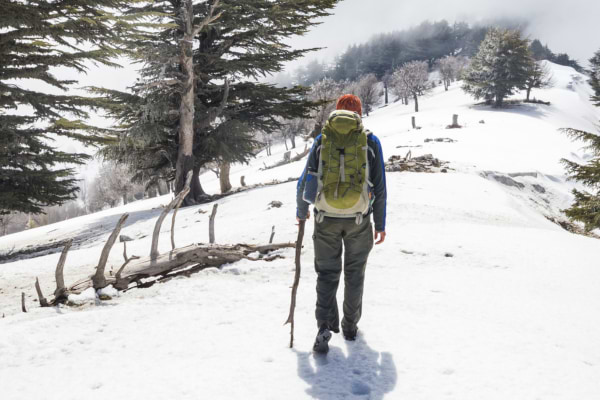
(412,79)
(449,68)
(500,67)
(368,92)
(293,128)
(324,93)
(595,77)
(112,186)
(540,77)
(38,38)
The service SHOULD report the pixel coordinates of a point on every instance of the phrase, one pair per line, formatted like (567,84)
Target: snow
(474,295)
(87,296)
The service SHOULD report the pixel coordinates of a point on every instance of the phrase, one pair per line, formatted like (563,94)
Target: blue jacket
(376,176)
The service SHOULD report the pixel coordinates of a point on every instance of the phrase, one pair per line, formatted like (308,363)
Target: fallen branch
(99,280)
(155,235)
(198,256)
(287,160)
(59,275)
(42,299)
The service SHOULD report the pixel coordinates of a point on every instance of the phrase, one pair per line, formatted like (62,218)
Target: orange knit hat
(349,102)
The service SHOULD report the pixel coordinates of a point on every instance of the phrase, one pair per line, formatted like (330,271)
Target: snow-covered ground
(474,295)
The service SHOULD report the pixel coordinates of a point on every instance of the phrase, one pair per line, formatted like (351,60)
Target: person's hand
(380,236)
(304,219)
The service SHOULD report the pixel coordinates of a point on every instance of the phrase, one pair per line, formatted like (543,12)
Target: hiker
(344,178)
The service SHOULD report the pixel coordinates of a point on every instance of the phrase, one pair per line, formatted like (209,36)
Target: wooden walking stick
(290,319)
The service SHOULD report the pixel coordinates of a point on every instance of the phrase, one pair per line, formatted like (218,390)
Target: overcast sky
(569,26)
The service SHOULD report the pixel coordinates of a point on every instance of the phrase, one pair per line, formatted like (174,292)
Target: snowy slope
(512,314)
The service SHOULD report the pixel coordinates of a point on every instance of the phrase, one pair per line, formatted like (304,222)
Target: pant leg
(328,265)
(358,242)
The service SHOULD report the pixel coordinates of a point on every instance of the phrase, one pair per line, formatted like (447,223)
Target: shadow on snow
(364,372)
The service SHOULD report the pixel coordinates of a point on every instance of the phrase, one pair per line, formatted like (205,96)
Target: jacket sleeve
(312,166)
(377,176)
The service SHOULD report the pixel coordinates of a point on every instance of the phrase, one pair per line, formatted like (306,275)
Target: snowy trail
(474,295)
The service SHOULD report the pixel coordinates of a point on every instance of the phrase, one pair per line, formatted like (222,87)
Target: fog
(566,26)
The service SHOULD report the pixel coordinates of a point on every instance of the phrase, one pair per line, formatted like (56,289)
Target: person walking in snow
(344,178)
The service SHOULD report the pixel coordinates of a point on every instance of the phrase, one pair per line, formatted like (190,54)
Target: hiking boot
(321,341)
(350,334)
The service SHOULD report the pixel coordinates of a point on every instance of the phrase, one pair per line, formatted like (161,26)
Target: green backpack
(343,184)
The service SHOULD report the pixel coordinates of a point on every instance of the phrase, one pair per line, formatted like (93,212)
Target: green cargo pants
(357,242)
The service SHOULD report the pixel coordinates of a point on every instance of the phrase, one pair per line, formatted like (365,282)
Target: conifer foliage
(215,74)
(595,77)
(35,37)
(501,66)
(586,208)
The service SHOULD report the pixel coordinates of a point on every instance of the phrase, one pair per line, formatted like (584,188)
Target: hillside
(474,295)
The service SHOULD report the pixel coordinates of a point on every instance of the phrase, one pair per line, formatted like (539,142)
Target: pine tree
(38,36)
(243,42)
(500,67)
(586,208)
(595,77)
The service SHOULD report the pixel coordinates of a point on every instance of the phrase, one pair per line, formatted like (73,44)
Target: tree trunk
(159,187)
(196,190)
(416,103)
(185,157)
(499,100)
(385,87)
(224,177)
(293,141)
(528,94)
(124,199)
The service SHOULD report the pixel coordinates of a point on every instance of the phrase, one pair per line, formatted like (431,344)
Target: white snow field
(475,294)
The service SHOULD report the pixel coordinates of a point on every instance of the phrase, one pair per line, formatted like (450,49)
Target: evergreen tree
(35,37)
(500,67)
(541,52)
(595,77)
(586,208)
(245,42)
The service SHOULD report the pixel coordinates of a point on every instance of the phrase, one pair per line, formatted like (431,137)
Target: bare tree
(293,128)
(540,77)
(448,67)
(5,220)
(326,92)
(367,91)
(387,81)
(113,185)
(412,79)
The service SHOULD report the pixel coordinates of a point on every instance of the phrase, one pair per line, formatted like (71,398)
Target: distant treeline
(429,41)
